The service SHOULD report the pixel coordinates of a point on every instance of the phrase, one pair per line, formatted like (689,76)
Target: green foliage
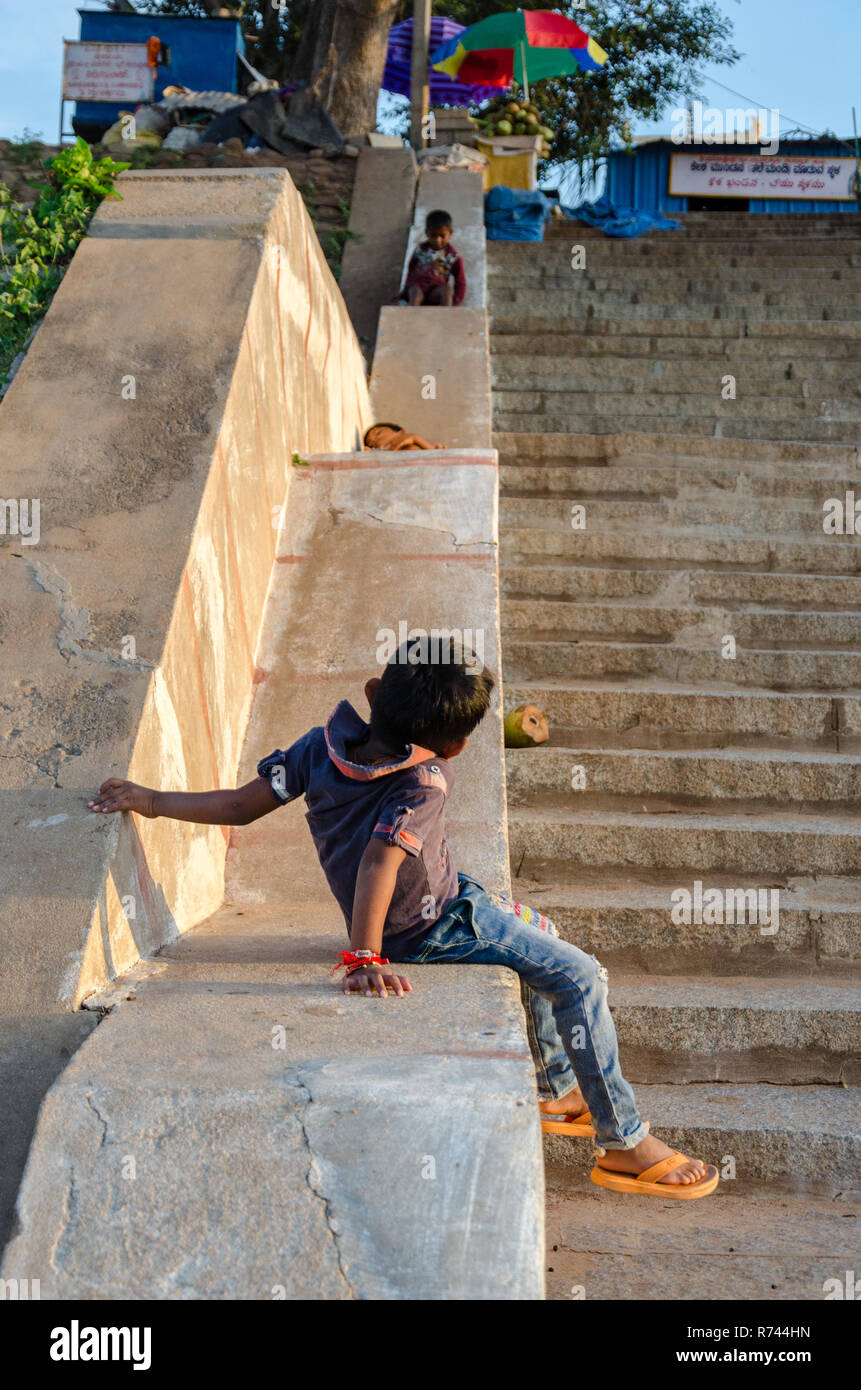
(37,243)
(333,247)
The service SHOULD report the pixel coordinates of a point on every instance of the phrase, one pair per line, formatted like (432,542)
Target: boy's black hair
(437,221)
(435,702)
(380,425)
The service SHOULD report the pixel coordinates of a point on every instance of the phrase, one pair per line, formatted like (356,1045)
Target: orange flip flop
(578,1125)
(648,1183)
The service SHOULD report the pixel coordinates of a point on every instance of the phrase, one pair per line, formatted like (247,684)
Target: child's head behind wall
(377,436)
(434,698)
(438,228)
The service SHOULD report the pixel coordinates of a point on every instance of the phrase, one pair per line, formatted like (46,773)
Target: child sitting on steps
(435,274)
(376,796)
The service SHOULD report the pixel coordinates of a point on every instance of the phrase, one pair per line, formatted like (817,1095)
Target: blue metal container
(641,179)
(202,57)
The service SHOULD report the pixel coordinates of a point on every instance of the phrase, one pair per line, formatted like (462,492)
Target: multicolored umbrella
(444,91)
(518,46)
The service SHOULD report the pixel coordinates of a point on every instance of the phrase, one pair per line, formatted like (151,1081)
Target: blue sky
(800,57)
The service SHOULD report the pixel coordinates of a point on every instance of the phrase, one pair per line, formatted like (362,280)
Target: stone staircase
(671,763)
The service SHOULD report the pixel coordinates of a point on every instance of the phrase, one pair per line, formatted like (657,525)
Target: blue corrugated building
(201,56)
(641,178)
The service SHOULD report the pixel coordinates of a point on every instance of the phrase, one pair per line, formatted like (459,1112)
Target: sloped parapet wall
(197,341)
(289,1142)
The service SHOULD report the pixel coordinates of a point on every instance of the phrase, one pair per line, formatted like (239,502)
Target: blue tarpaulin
(515,214)
(619,222)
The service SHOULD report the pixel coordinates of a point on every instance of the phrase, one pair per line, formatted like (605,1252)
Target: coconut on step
(525,727)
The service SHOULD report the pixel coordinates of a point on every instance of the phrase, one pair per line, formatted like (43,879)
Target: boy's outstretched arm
(239,806)
(415,441)
(375,884)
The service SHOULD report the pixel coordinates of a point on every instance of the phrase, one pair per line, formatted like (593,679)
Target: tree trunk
(342,55)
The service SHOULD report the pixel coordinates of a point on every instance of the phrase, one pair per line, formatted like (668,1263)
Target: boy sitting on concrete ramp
(435,274)
(376,794)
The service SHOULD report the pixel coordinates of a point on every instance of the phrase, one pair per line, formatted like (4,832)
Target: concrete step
(703,517)
(584,658)
(704,283)
(833,253)
(625,917)
(649,303)
(696,586)
(668,417)
(737,516)
(655,402)
(798,1138)
(706,483)
(668,450)
(514,371)
(729,841)
(662,714)
(656,777)
(643,620)
(782,1032)
(798,353)
(678,548)
(746,1242)
(603,326)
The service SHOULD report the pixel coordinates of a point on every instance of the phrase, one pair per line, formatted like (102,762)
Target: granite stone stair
(673,601)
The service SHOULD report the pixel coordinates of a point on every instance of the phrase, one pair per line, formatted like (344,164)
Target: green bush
(37,243)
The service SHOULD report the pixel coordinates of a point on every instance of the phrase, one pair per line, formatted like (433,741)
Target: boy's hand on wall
(116,795)
(374,979)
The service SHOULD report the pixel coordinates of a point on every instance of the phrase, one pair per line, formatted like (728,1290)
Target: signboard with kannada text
(825,177)
(106,72)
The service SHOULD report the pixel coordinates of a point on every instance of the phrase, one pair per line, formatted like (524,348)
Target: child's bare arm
(239,806)
(375,884)
(415,441)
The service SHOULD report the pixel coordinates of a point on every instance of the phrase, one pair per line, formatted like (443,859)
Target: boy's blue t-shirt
(349,804)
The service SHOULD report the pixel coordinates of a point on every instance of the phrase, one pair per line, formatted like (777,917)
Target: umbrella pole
(523,65)
(419,79)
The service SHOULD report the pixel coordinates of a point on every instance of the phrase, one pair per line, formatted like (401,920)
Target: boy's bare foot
(572,1104)
(648,1152)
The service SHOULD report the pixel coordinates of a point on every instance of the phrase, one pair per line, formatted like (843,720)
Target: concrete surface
(443,351)
(372,1157)
(748,1245)
(381,214)
(154,418)
(373,1149)
(459,193)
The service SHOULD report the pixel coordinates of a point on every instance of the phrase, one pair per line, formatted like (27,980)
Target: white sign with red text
(826,177)
(106,72)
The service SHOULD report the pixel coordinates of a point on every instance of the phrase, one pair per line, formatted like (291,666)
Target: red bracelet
(352,962)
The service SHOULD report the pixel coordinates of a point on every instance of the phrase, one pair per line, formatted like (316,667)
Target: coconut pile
(504,116)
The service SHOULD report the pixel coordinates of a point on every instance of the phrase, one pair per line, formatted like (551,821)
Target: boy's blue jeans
(570,1026)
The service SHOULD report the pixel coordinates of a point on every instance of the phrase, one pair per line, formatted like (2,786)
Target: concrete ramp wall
(431,369)
(235,1128)
(197,341)
(289,1141)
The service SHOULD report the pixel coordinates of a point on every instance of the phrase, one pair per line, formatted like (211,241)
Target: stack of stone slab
(672,414)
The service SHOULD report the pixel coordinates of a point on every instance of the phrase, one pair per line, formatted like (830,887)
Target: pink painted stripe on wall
(420,458)
(201,686)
